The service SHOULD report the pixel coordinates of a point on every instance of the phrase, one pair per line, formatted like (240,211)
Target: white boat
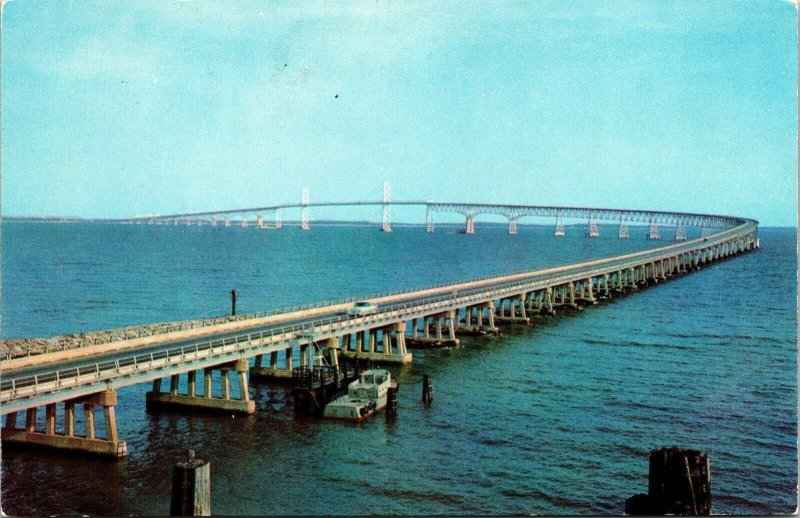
(365,396)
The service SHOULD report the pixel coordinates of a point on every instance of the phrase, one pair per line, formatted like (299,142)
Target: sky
(114,109)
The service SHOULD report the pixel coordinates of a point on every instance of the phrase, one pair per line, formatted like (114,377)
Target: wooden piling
(427,390)
(191,488)
(679,484)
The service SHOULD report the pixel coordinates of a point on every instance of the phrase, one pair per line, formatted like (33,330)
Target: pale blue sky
(121,108)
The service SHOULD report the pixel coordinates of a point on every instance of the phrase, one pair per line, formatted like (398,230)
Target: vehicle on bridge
(363,308)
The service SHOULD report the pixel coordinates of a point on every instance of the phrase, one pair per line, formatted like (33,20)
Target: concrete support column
(400,331)
(207,383)
(373,338)
(332,345)
(480,316)
(111,423)
(273,360)
(88,420)
(414,328)
(50,419)
(451,325)
(11,421)
(157,385)
(522,312)
(304,355)
(241,366)
(30,420)
(258,363)
(589,293)
(69,418)
(606,290)
(173,384)
(226,384)
(548,299)
(289,359)
(192,382)
(387,340)
(469,226)
(468,317)
(360,341)
(490,306)
(438,327)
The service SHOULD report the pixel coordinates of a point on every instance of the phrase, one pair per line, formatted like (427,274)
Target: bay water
(554,418)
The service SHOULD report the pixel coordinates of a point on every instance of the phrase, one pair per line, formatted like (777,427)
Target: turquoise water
(557,418)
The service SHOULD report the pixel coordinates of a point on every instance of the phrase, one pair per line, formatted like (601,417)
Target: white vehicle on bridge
(363,308)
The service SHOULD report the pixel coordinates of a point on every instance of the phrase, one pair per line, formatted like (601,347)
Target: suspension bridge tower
(304,210)
(387,209)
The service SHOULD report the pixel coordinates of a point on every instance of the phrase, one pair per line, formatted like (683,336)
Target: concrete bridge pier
(488,308)
(206,400)
(559,296)
(546,307)
(274,373)
(439,324)
(530,304)
(681,261)
(469,226)
(414,329)
(650,274)
(393,347)
(641,275)
(632,279)
(471,325)
(568,296)
(467,318)
(515,313)
(536,303)
(484,314)
(108,446)
(606,288)
(587,292)
(618,282)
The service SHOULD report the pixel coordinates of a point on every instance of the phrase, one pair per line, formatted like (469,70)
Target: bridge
(215,352)
(272,216)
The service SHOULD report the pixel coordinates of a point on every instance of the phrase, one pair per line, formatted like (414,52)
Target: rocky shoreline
(20,347)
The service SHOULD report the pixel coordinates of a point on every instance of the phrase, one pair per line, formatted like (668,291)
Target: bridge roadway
(90,375)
